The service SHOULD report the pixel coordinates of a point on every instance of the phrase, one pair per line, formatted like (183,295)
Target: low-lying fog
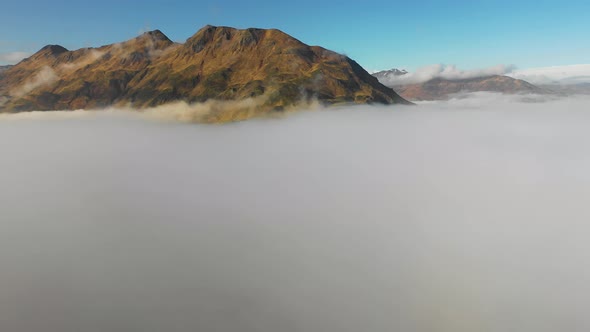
(469,215)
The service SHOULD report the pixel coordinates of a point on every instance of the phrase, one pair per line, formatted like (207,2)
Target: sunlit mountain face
(267,69)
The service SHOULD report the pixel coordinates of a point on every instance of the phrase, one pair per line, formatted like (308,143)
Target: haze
(467,215)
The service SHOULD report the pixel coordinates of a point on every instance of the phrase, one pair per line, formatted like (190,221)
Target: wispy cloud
(571,74)
(45,76)
(450,72)
(13,57)
(91,57)
(555,75)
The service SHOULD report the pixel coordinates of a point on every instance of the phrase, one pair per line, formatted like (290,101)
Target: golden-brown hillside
(218,63)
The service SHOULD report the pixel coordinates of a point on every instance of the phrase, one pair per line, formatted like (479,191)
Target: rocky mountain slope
(440,88)
(219,63)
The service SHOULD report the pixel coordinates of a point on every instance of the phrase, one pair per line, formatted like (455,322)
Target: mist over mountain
(228,178)
(441,89)
(217,63)
(569,89)
(441,82)
(569,75)
(395,77)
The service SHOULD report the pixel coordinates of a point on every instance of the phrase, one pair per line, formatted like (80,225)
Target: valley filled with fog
(464,215)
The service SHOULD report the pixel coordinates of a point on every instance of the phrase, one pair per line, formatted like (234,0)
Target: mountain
(441,89)
(386,74)
(219,63)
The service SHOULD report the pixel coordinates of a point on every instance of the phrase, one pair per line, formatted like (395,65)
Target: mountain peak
(47,53)
(52,50)
(146,42)
(217,63)
(155,35)
(218,35)
(208,34)
(391,72)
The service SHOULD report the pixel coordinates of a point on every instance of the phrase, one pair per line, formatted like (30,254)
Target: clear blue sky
(378,34)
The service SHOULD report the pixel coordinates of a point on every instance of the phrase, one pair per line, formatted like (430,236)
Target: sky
(378,34)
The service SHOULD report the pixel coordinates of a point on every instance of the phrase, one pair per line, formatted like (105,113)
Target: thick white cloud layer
(467,215)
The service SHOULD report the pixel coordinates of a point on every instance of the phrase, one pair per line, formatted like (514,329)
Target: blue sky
(378,34)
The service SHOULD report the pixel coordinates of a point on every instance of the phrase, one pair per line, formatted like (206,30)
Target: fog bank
(447,72)
(572,74)
(560,75)
(466,215)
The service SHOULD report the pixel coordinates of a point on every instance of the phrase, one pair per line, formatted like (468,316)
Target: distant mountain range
(4,68)
(441,89)
(220,63)
(385,74)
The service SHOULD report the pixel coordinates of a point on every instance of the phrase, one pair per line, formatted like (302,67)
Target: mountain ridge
(391,72)
(439,88)
(216,63)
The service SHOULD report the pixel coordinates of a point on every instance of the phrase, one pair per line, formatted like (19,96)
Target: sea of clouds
(466,215)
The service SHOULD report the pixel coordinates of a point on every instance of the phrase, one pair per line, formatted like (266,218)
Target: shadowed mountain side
(218,63)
